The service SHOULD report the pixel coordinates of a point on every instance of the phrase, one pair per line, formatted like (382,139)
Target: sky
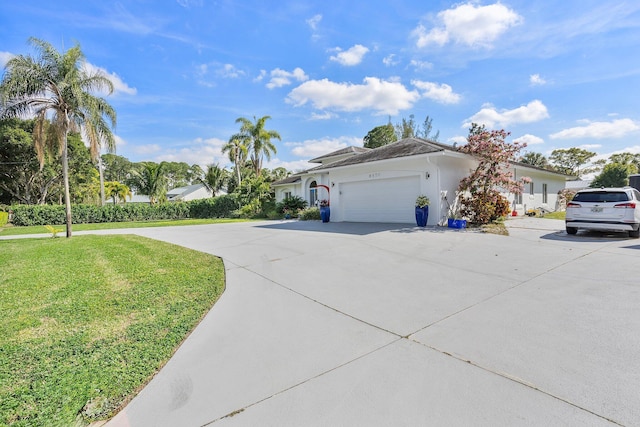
(556,74)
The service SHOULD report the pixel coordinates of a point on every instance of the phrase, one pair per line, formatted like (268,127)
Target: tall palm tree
(214,179)
(237,149)
(259,139)
(151,181)
(56,87)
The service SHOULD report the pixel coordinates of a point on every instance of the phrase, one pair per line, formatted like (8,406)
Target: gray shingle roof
(340,152)
(403,148)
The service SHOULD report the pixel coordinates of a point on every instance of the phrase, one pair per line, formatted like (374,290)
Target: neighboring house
(190,192)
(579,184)
(135,198)
(381,184)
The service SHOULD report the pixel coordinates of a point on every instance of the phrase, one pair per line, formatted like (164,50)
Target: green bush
(4,218)
(291,205)
(38,214)
(216,207)
(310,214)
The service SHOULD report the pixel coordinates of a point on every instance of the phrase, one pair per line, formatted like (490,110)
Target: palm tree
(117,191)
(56,87)
(258,139)
(151,181)
(214,179)
(534,159)
(237,148)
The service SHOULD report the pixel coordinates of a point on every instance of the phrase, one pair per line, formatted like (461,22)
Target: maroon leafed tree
(481,199)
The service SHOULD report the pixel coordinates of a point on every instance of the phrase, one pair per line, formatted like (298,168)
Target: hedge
(218,207)
(4,217)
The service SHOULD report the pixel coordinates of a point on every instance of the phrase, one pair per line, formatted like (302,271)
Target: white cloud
(119,141)
(459,140)
(590,146)
(536,80)
(469,25)
(119,86)
(281,78)
(314,21)
(261,76)
(421,65)
(350,57)
(530,139)
(146,149)
(4,58)
(489,116)
(189,3)
(385,97)
(229,71)
(325,115)
(390,60)
(318,147)
(614,129)
(442,93)
(199,151)
(293,166)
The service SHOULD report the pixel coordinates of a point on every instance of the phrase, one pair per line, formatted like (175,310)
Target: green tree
(614,175)
(408,128)
(151,181)
(22,180)
(58,84)
(214,179)
(238,150)
(534,159)
(627,159)
(116,168)
(425,132)
(257,139)
(117,191)
(569,161)
(379,136)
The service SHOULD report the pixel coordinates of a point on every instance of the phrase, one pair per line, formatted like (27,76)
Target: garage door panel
(382,200)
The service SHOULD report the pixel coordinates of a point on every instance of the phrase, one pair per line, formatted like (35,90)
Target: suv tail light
(628,205)
(573,205)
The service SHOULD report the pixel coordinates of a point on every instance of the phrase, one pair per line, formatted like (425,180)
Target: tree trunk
(65,178)
(101,170)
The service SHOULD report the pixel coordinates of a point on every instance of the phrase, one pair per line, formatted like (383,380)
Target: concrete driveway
(383,325)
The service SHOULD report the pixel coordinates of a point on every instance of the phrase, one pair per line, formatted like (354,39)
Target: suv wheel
(573,230)
(635,233)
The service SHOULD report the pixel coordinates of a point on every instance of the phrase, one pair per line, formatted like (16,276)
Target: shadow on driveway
(355,228)
(586,236)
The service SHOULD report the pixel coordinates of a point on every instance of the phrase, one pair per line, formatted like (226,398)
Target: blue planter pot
(457,223)
(325,214)
(422,215)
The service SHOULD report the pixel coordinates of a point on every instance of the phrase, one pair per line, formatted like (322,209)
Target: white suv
(605,209)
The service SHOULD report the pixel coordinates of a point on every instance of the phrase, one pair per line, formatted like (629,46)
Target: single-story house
(381,184)
(190,192)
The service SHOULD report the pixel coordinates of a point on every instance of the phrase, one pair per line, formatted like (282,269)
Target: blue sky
(554,74)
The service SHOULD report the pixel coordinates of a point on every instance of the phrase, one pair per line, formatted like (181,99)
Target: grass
(555,215)
(10,230)
(87,321)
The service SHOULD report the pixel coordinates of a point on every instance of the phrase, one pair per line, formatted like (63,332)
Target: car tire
(572,230)
(635,233)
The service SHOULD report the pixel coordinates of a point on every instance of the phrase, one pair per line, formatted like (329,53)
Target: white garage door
(382,200)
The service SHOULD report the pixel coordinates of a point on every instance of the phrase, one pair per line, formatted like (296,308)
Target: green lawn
(40,229)
(555,215)
(87,321)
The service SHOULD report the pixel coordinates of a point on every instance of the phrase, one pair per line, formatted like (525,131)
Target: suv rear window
(601,196)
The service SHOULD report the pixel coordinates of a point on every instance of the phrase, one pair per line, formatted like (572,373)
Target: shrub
(485,208)
(310,214)
(291,204)
(4,218)
(216,207)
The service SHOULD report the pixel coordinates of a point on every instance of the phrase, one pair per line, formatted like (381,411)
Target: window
(518,198)
(287,194)
(313,193)
(544,193)
(531,188)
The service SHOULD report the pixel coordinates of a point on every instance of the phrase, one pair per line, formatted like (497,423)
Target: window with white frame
(544,193)
(518,198)
(287,194)
(531,188)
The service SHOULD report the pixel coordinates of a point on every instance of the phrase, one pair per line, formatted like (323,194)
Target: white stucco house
(190,192)
(381,184)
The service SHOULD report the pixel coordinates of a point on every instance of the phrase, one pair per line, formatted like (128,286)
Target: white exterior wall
(555,183)
(293,188)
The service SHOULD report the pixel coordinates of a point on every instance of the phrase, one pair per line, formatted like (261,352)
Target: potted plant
(325,210)
(422,210)
(454,218)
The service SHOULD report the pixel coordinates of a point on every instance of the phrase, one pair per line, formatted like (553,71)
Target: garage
(380,200)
